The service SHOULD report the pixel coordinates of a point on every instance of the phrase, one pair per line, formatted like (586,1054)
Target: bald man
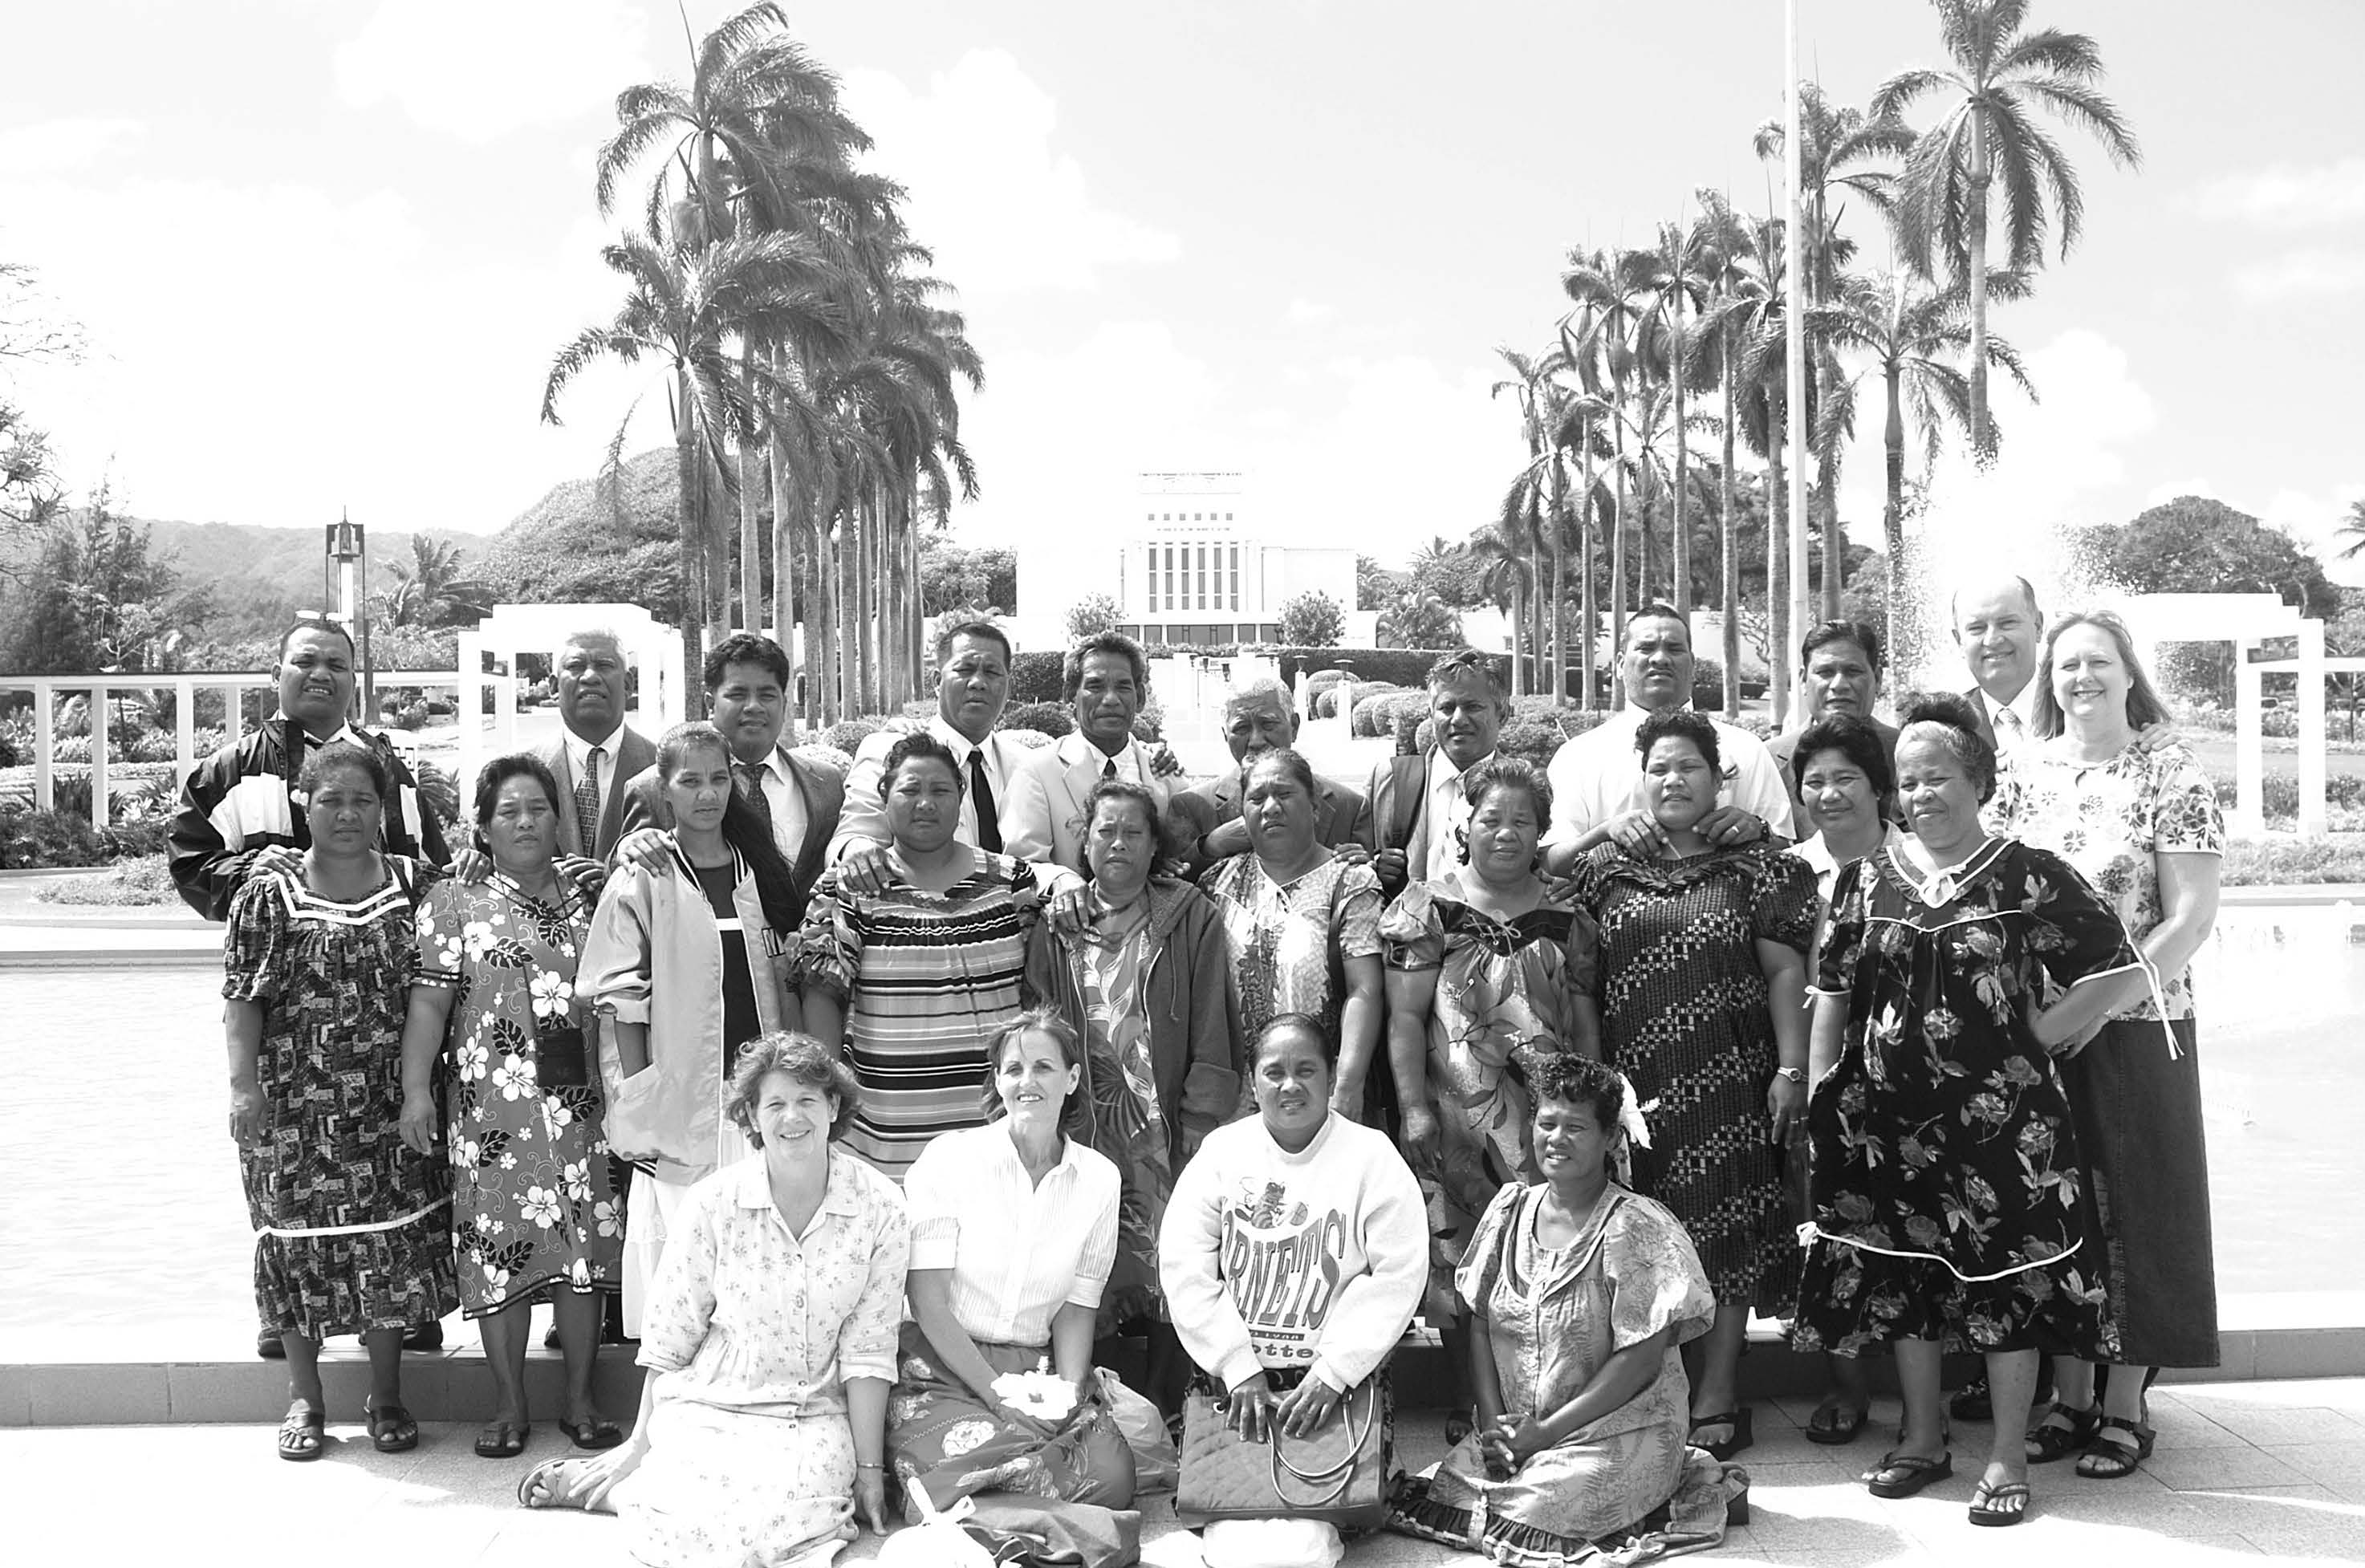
(1998,628)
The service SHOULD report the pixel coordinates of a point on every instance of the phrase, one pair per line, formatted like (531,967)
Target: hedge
(1378,714)
(1325,701)
(1406,668)
(1035,677)
(1053,719)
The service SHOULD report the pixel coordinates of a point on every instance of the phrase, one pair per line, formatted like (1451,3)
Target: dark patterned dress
(1684,1017)
(1507,993)
(532,1205)
(352,1226)
(1949,1199)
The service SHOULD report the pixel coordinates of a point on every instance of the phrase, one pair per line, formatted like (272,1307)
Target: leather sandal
(1902,1475)
(303,1431)
(1835,1423)
(1742,1437)
(391,1430)
(597,1433)
(2062,1433)
(553,1483)
(502,1439)
(2110,1457)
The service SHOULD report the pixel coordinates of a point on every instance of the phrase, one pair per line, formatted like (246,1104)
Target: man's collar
(940,727)
(577,746)
(774,761)
(345,732)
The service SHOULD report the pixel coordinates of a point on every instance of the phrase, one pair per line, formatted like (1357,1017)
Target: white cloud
(63,146)
(2289,196)
(1004,209)
(2169,489)
(2299,273)
(1303,312)
(479,70)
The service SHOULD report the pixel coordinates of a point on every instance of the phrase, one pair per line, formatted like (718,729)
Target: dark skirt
(2138,1117)
(943,1441)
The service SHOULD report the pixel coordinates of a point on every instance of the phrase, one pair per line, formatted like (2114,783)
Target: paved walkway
(2243,1470)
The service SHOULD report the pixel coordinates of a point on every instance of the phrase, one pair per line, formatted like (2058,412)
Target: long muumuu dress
(1554,1315)
(1947,1198)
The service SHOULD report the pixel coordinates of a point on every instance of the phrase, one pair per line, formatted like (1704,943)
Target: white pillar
(2250,794)
(184,727)
(468,703)
(2311,727)
(45,741)
(99,815)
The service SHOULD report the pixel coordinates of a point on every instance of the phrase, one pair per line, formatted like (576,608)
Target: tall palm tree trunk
(1729,567)
(692,532)
(1588,629)
(1617,544)
(784,567)
(1557,680)
(1679,552)
(1778,587)
(1982,444)
(1892,510)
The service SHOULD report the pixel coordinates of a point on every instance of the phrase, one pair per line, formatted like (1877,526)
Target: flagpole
(1794,326)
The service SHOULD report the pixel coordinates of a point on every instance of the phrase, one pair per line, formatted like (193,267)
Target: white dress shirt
(1018,1252)
(1446,808)
(863,819)
(2014,722)
(1598,775)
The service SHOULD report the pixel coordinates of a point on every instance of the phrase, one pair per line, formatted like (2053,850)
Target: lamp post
(1794,312)
(348,543)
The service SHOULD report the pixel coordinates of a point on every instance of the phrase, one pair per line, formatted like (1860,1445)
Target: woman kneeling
(770,1340)
(1579,1291)
(1014,1232)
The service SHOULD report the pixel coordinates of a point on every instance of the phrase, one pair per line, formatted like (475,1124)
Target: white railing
(46,689)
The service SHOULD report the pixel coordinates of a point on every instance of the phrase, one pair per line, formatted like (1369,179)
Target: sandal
(2063,1432)
(1902,1475)
(502,1439)
(1987,1503)
(303,1431)
(1971,1402)
(2110,1457)
(597,1433)
(1834,1422)
(1742,1437)
(1460,1424)
(391,1430)
(546,1485)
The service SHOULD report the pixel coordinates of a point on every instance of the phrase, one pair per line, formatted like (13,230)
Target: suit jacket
(1342,815)
(1979,702)
(636,755)
(820,786)
(1043,815)
(1397,814)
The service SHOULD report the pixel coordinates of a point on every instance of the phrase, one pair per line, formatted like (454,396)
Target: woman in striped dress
(918,978)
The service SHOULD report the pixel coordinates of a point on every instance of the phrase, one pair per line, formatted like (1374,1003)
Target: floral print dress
(351,1227)
(1507,993)
(533,1204)
(1949,1199)
(1282,936)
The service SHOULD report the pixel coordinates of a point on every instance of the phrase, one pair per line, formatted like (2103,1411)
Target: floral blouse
(2112,821)
(750,1318)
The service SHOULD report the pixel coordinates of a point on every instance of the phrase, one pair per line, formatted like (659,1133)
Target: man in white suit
(597,751)
(1043,818)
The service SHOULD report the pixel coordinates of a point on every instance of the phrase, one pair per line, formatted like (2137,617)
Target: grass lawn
(125,884)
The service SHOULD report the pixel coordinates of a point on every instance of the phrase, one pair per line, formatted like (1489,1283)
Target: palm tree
(2352,529)
(1674,275)
(2000,77)
(433,589)
(1597,340)
(1913,336)
(1726,247)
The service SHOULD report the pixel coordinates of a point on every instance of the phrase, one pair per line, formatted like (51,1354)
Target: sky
(322,251)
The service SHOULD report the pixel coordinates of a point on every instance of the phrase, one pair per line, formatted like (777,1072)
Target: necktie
(1108,768)
(748,780)
(587,803)
(2009,725)
(980,795)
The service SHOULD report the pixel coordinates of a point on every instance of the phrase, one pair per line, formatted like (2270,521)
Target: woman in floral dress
(2142,825)
(1304,926)
(352,1233)
(1486,976)
(1949,1202)
(1702,996)
(533,1211)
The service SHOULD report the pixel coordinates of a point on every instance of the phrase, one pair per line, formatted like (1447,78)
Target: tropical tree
(1913,336)
(1312,620)
(1599,340)
(433,588)
(2352,529)
(1420,620)
(1989,149)
(1727,245)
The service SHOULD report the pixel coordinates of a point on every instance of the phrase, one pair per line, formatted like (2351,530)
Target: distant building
(1188,561)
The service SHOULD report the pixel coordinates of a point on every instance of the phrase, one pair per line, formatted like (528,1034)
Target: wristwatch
(1797,1075)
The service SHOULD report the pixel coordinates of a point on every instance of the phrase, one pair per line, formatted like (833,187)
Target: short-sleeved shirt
(2112,821)
(1282,936)
(1018,1250)
(1598,775)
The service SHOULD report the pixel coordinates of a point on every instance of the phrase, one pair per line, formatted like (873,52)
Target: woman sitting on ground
(723,907)
(533,1215)
(770,1340)
(1145,979)
(1295,1181)
(352,1233)
(1578,1292)
(1013,1229)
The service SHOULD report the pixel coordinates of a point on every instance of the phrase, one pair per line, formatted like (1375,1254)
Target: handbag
(1337,1474)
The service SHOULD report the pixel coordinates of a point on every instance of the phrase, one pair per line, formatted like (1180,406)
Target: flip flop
(1739,1420)
(1902,1475)
(391,1430)
(303,1432)
(1834,1424)
(597,1433)
(1985,1497)
(502,1439)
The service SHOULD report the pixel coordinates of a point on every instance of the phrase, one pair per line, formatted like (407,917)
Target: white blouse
(1017,1251)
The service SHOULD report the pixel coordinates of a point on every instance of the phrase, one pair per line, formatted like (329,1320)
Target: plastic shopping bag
(1156,1466)
(936,1540)
(1271,1543)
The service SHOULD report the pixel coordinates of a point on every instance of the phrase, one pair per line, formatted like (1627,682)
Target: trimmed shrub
(847,734)
(1406,668)
(30,839)
(1376,715)
(1053,718)
(1325,705)
(1534,732)
(1035,676)
(825,756)
(1033,740)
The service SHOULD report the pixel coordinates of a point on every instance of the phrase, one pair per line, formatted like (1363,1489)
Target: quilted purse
(1336,1475)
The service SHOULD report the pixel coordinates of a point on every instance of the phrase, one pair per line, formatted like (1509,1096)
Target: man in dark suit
(1416,801)
(1839,672)
(597,751)
(1206,820)
(746,679)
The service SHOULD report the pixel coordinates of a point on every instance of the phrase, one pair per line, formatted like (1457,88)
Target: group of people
(1036,1049)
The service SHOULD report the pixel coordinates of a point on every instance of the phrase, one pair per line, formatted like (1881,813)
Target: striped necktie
(587,803)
